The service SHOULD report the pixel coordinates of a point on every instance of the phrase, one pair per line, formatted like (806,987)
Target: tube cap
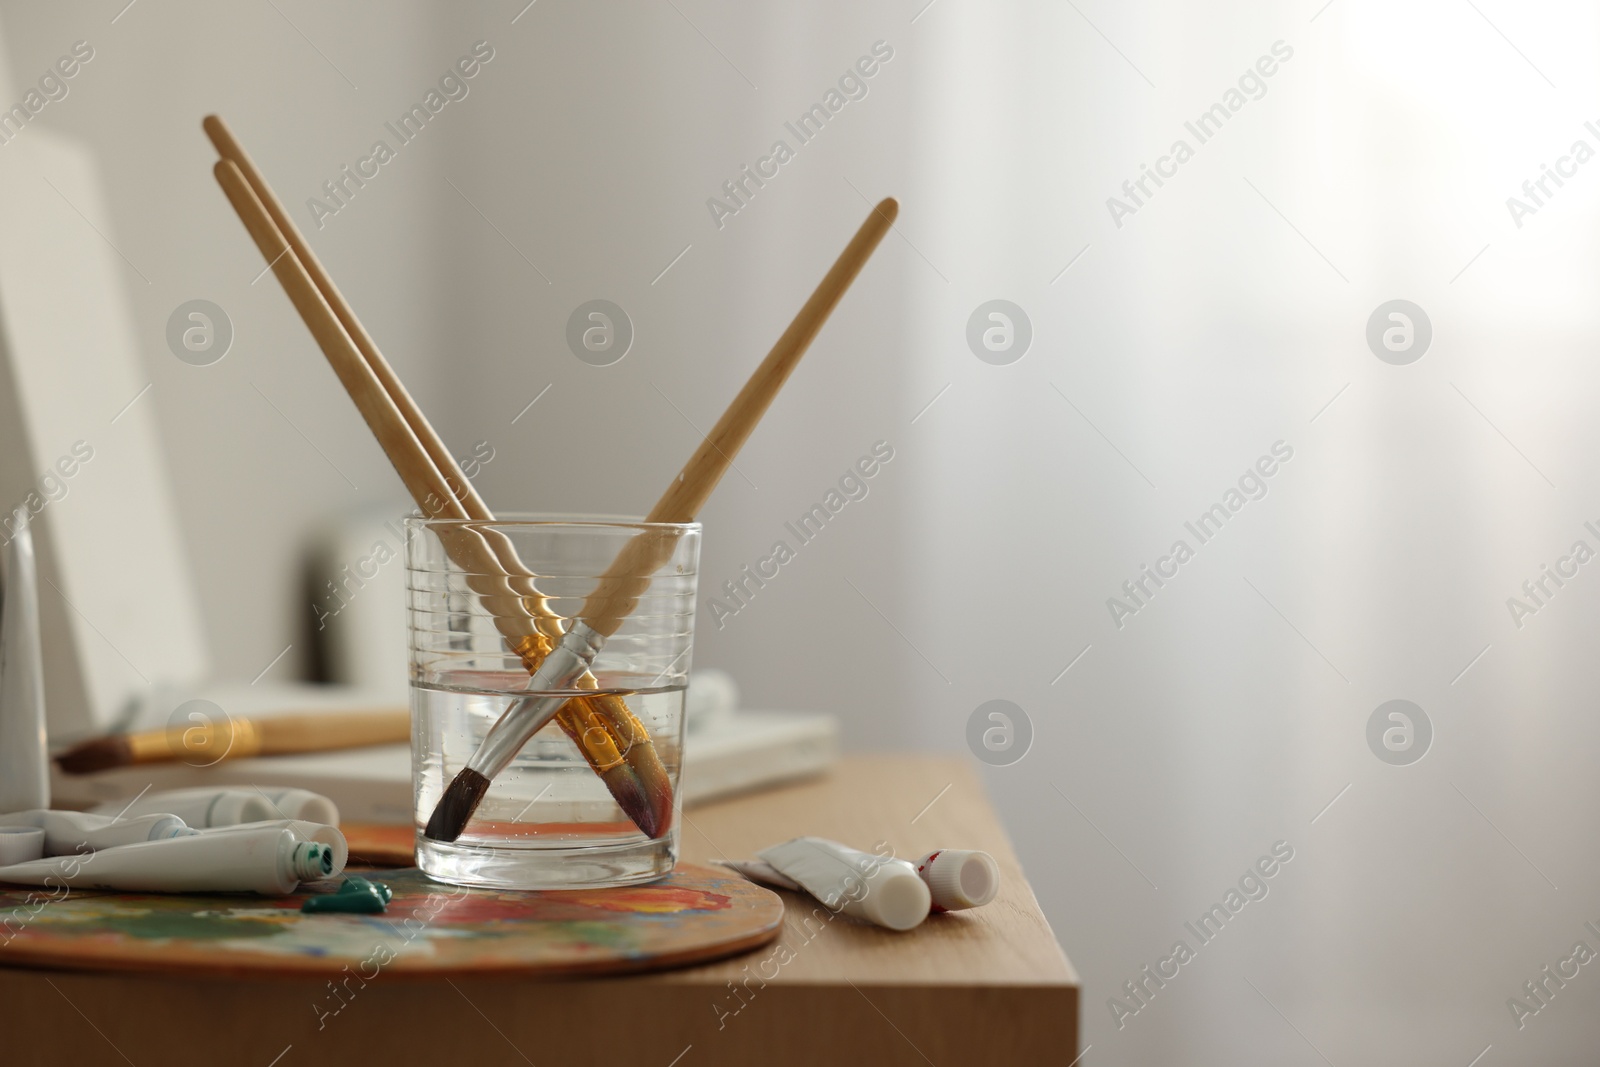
(165,826)
(959,879)
(897,899)
(234,806)
(303,805)
(19,844)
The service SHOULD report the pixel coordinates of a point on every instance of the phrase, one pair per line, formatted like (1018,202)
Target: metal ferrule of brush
(574,655)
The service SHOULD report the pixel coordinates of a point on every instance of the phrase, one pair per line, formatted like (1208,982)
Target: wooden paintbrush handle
(494,572)
(321,731)
(420,475)
(629,575)
(229,148)
(422,479)
(275,735)
(688,492)
(458,486)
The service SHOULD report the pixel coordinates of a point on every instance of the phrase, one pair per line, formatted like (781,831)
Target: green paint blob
(356,896)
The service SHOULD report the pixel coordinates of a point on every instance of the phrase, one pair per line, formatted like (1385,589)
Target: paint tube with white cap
(18,844)
(69,832)
(270,860)
(210,806)
(956,878)
(880,889)
(959,879)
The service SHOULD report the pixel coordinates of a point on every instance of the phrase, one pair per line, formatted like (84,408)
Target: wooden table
(987,986)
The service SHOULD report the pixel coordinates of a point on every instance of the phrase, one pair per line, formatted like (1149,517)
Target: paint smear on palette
(642,901)
(695,914)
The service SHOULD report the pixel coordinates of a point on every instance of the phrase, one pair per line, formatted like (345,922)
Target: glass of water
(485,601)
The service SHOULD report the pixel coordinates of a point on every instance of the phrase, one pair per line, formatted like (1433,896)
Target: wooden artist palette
(694,915)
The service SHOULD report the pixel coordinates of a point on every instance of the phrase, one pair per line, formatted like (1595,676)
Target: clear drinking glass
(549,819)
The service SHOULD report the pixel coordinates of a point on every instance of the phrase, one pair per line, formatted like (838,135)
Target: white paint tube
(309,831)
(24,764)
(271,860)
(957,879)
(880,889)
(69,832)
(761,871)
(209,806)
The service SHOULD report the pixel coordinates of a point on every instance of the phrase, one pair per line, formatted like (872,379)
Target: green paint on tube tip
(312,861)
(356,896)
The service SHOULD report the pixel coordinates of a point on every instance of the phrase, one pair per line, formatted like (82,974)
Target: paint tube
(70,832)
(958,879)
(209,806)
(24,764)
(308,831)
(270,860)
(761,871)
(880,889)
(19,844)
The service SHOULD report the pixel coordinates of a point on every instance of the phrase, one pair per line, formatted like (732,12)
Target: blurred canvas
(117,603)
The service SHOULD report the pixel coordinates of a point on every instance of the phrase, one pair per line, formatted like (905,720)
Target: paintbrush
(236,738)
(611,738)
(629,575)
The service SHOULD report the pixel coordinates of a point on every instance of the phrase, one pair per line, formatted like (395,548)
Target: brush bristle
(450,816)
(98,754)
(656,785)
(630,796)
(644,795)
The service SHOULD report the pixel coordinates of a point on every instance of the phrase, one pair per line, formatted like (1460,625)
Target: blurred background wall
(1176,340)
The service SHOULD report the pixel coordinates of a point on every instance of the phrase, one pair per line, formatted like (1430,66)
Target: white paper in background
(116,596)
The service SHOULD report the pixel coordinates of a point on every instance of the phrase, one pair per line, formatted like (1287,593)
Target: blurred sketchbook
(738,752)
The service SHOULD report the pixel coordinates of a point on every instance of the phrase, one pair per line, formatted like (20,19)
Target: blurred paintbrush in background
(239,738)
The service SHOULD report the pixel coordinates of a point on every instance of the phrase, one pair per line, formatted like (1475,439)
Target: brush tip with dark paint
(647,802)
(96,754)
(460,800)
